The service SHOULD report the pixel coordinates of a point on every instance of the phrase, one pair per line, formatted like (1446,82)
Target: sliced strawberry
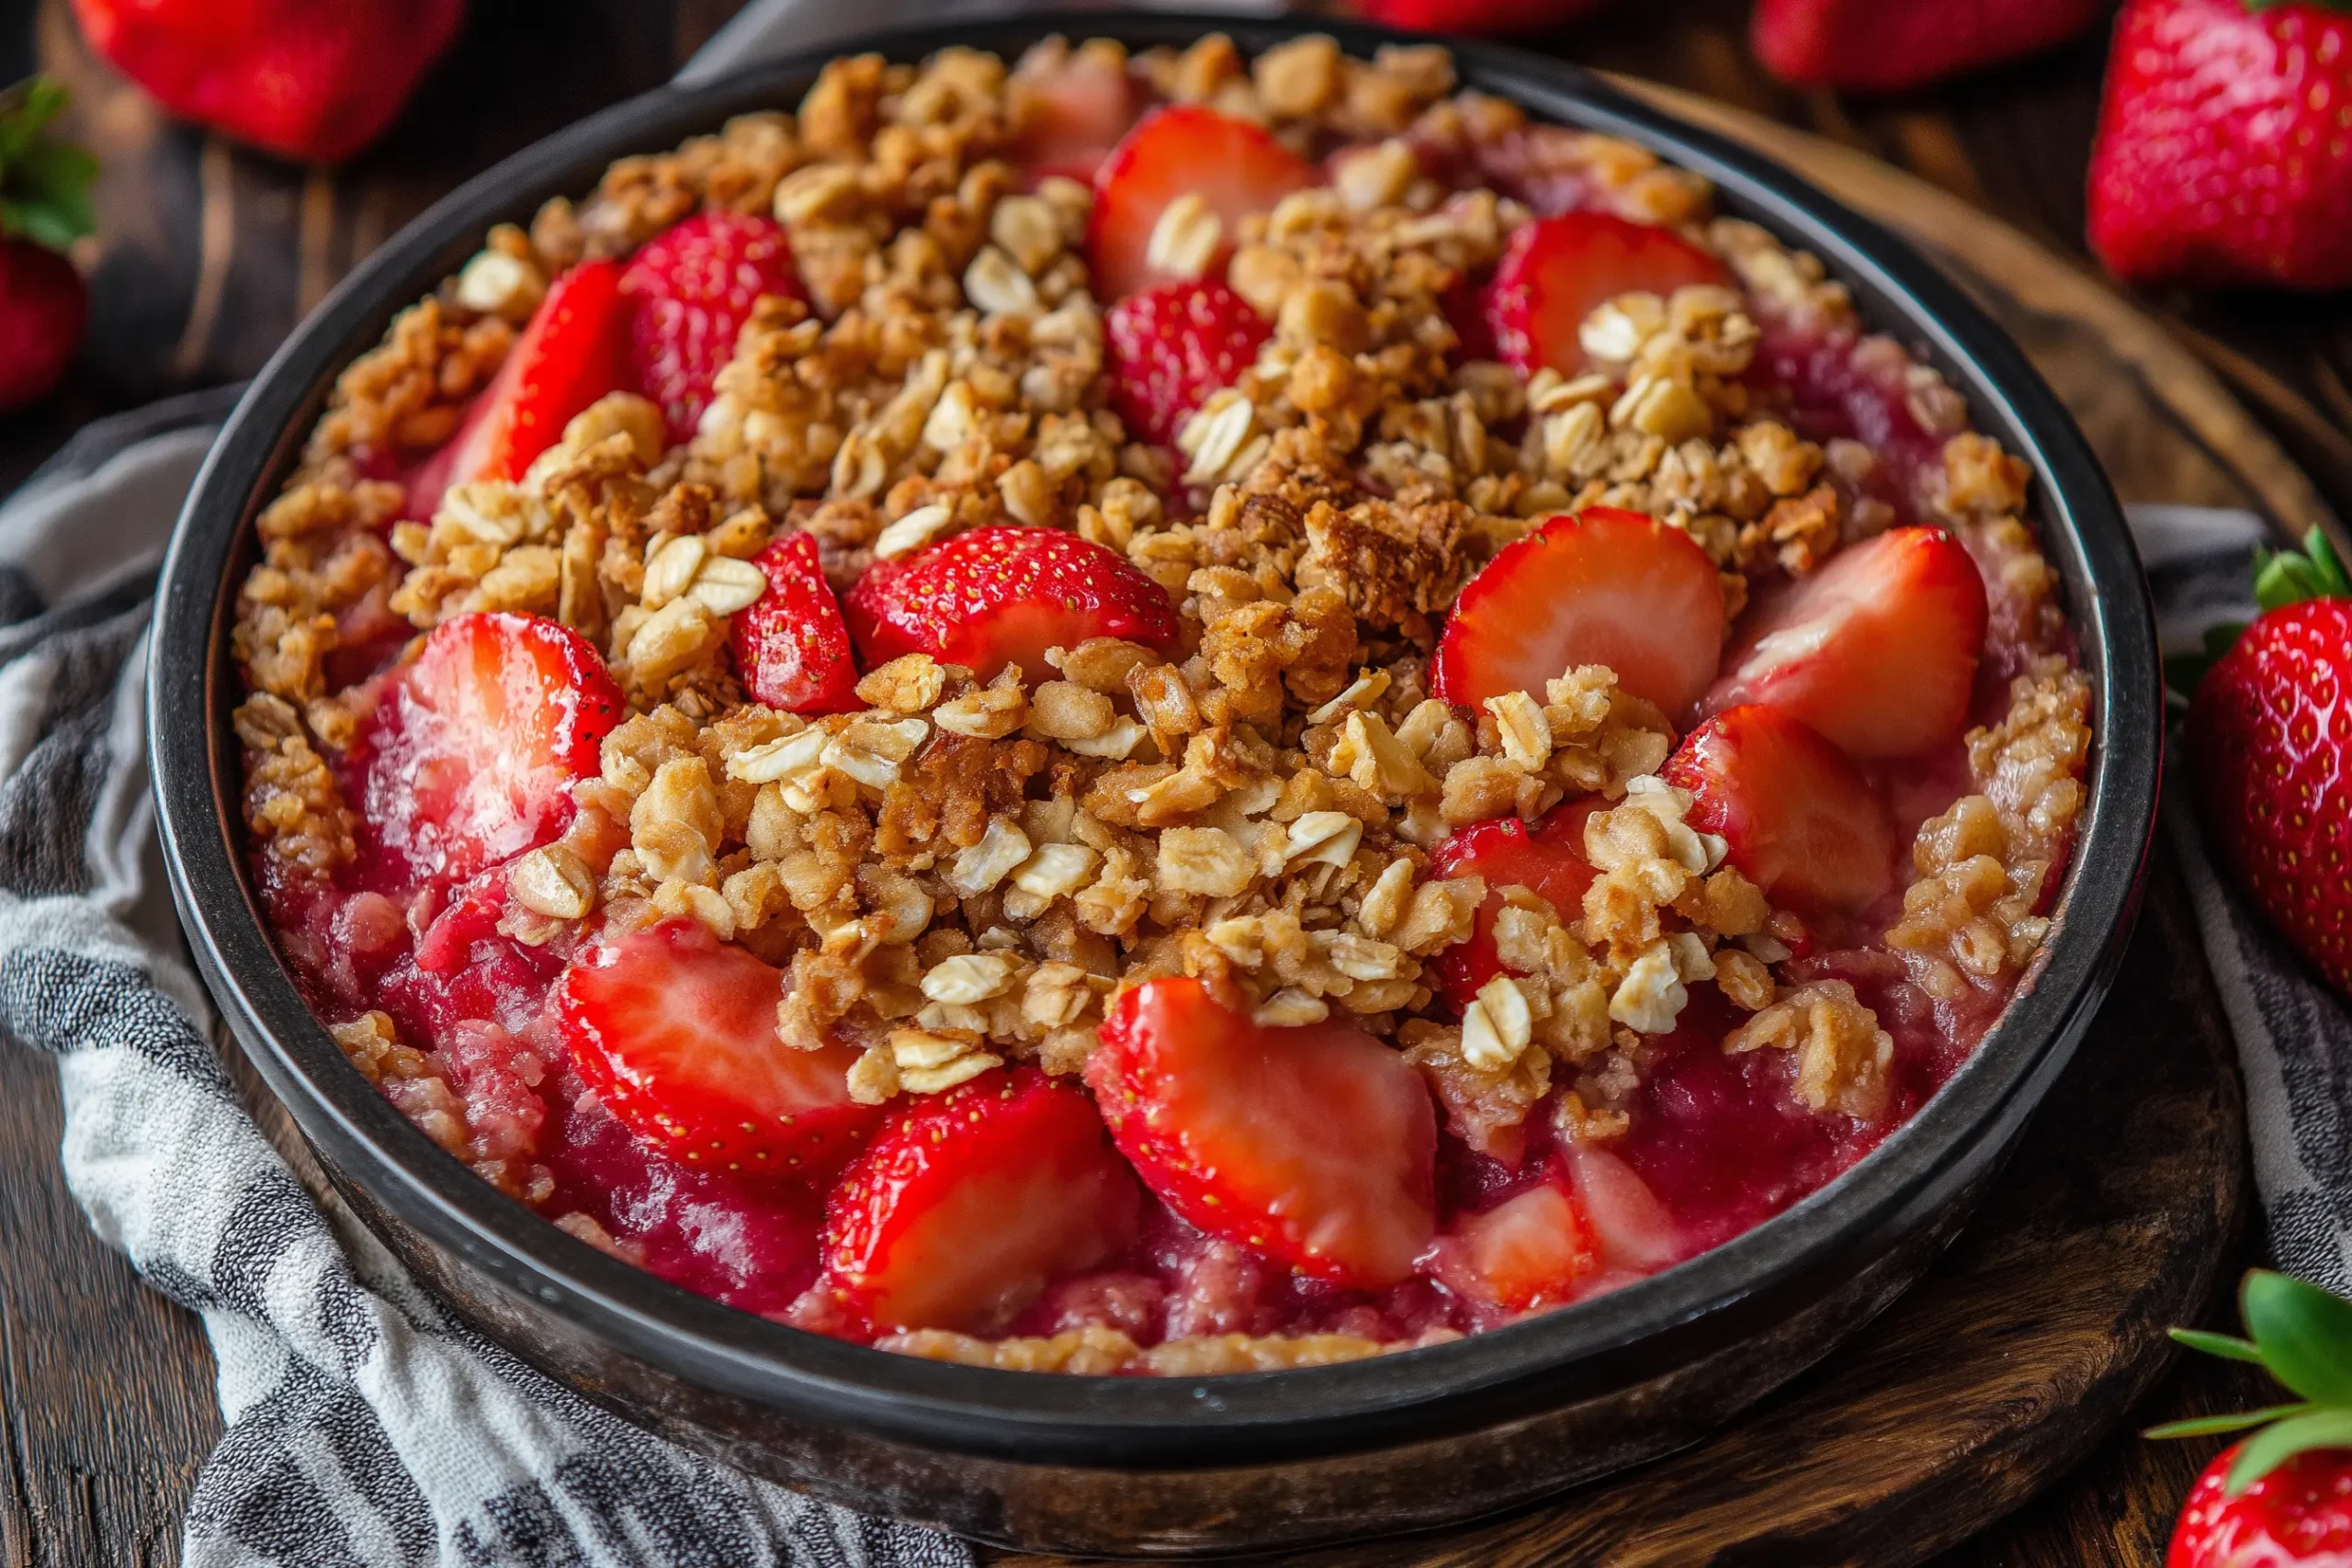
(792,648)
(1604,587)
(574,351)
(1802,821)
(1004,595)
(1549,861)
(675,1031)
(1635,1231)
(1166,349)
(1877,649)
(474,746)
(968,1203)
(1533,1251)
(1235,167)
(1314,1145)
(1067,114)
(1557,270)
(692,287)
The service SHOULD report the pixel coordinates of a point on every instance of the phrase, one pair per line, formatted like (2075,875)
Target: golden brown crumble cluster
(961,874)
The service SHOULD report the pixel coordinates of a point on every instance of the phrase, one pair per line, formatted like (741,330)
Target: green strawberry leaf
(2217,1426)
(44,184)
(2226,1345)
(2185,672)
(2273,1445)
(2304,1335)
(2288,577)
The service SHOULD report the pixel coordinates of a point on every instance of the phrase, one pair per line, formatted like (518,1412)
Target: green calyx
(2280,577)
(44,182)
(2303,1337)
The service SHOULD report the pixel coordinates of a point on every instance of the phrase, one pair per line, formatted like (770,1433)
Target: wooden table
(209,255)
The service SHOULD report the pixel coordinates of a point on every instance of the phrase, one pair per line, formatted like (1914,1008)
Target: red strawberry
(2221,155)
(574,351)
(1168,348)
(1888,45)
(1476,17)
(1549,861)
(474,746)
(1529,1252)
(44,207)
(2283,1496)
(792,646)
(1877,649)
(692,287)
(1603,587)
(1802,821)
(310,82)
(1557,270)
(1238,168)
(2270,742)
(968,1203)
(1069,110)
(675,1031)
(1314,1145)
(1004,595)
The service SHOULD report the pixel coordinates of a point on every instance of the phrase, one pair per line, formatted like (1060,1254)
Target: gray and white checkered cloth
(365,1427)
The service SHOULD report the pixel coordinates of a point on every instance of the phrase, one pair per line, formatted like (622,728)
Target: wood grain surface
(209,254)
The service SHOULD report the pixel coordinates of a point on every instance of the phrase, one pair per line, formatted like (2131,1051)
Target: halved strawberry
(675,1031)
(791,648)
(1802,821)
(1526,1253)
(1235,167)
(692,287)
(574,351)
(1314,1145)
(1004,595)
(1068,113)
(968,1203)
(1603,587)
(1877,649)
(1548,859)
(1166,349)
(1557,270)
(473,748)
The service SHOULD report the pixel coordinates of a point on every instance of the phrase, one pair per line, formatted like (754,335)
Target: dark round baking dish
(1141,1466)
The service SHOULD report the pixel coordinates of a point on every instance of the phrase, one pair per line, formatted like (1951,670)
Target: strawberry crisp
(1153,713)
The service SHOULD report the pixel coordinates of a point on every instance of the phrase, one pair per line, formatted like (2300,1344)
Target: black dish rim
(1593,1347)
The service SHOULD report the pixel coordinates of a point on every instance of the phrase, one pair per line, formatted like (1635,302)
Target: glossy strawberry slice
(1313,1145)
(574,351)
(1604,587)
(1557,270)
(1166,349)
(474,746)
(1637,1233)
(675,1031)
(1004,595)
(1802,821)
(1068,113)
(792,648)
(968,1203)
(1235,167)
(692,287)
(1529,1252)
(1877,649)
(1549,861)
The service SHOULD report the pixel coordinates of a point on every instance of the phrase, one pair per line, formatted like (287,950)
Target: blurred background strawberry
(44,207)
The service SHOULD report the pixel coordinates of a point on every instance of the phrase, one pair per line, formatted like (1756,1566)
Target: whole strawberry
(1499,17)
(1887,45)
(44,207)
(2271,742)
(2284,1496)
(2221,156)
(311,80)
